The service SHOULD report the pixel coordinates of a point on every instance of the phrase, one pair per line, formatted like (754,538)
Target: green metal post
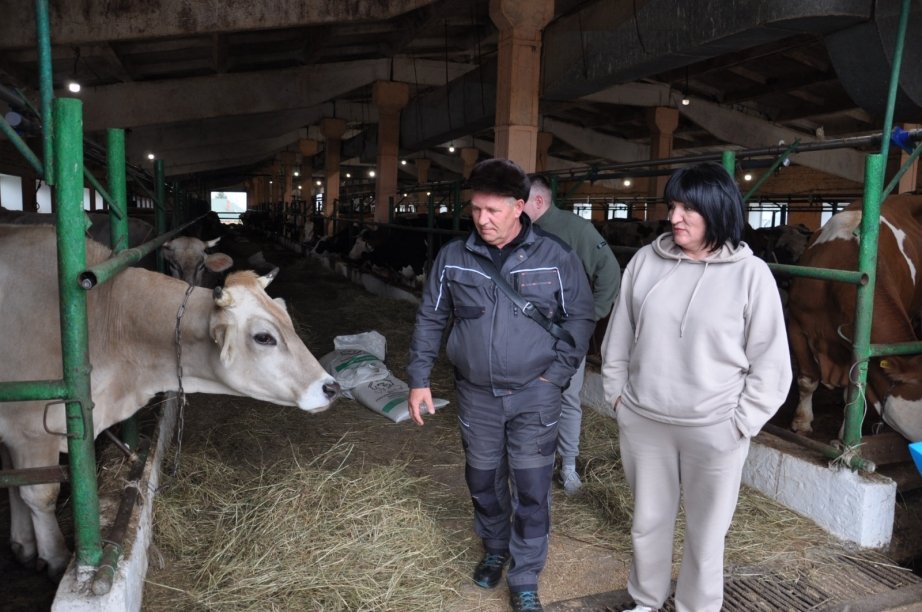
(159,208)
(118,229)
(118,188)
(894,83)
(68,150)
(864,308)
(46,87)
(728,160)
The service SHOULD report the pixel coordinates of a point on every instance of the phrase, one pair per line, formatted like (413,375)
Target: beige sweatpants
(705,465)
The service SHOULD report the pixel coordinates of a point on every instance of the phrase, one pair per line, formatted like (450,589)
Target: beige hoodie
(697,342)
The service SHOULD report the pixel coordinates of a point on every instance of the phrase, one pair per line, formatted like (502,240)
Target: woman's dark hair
(499,177)
(708,189)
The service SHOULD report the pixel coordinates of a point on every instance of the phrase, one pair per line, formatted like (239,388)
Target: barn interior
(327,103)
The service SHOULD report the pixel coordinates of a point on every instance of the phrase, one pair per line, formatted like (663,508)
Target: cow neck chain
(177,340)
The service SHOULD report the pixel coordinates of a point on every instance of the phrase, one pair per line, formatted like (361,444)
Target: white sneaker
(640,609)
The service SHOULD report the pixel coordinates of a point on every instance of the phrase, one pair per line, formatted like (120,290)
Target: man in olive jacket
(509,370)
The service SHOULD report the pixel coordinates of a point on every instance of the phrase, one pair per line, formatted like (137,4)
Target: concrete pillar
(287,160)
(332,130)
(544,145)
(518,77)
(663,121)
(909,182)
(390,97)
(422,177)
(307,147)
(469,156)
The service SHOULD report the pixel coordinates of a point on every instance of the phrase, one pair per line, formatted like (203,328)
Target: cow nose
(331,390)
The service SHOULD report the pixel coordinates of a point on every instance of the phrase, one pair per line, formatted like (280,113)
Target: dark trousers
(509,443)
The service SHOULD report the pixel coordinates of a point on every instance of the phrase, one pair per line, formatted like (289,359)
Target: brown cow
(822,315)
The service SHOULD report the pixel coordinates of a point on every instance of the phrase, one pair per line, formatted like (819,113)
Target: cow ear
(265,279)
(225,341)
(167,246)
(211,243)
(218,262)
(280,302)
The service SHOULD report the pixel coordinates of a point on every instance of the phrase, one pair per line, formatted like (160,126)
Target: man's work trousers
(705,465)
(509,440)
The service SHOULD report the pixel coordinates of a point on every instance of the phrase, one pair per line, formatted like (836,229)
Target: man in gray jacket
(509,369)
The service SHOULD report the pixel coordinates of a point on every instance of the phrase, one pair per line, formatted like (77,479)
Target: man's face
(496,217)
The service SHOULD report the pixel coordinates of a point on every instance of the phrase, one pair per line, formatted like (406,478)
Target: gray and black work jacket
(492,344)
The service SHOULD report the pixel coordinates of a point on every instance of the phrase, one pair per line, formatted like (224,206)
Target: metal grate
(855,576)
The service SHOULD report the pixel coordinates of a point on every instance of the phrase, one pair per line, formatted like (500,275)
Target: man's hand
(420,398)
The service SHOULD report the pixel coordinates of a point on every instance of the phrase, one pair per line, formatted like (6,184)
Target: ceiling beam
(82,21)
(129,105)
(749,132)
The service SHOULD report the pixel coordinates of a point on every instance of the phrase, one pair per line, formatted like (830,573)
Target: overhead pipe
(46,88)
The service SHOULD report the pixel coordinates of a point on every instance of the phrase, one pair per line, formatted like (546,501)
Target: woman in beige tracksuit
(695,361)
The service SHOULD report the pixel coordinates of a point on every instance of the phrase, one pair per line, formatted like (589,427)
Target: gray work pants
(571,415)
(509,443)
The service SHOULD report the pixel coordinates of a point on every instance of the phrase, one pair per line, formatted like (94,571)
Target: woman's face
(688,229)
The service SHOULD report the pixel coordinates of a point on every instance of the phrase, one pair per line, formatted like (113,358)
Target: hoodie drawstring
(647,297)
(692,299)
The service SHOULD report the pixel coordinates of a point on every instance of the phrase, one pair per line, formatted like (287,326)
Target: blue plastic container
(915,449)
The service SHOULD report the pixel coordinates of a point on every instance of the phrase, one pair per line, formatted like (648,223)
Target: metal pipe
(118,204)
(30,476)
(899,174)
(46,88)
(32,390)
(765,175)
(68,150)
(830,452)
(824,145)
(100,189)
(21,146)
(115,538)
(844,276)
(159,208)
(103,271)
(728,161)
(864,306)
(899,348)
(894,78)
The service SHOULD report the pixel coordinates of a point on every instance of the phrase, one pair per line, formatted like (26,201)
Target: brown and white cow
(822,315)
(236,341)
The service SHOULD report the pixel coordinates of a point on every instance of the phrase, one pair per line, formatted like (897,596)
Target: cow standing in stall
(822,315)
(235,340)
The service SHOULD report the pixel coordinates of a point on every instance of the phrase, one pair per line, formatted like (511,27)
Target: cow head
(260,353)
(188,259)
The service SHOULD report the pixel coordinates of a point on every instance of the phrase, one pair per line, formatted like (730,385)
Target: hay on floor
(307,537)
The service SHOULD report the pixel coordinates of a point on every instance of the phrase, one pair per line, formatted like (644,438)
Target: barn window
(228,205)
(10,192)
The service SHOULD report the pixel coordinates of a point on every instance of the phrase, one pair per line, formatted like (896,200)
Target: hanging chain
(177,340)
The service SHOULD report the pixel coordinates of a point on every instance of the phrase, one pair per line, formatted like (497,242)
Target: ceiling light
(299,186)
(403,162)
(371,173)
(150,156)
(348,175)
(627,182)
(73,86)
(270,181)
(451,148)
(319,183)
(685,101)
(747,176)
(296,173)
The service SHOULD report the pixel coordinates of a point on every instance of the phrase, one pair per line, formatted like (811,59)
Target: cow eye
(265,339)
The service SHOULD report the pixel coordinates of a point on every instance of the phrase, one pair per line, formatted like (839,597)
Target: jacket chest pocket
(469,294)
(542,288)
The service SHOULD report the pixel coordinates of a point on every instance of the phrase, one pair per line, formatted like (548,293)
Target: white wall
(10,192)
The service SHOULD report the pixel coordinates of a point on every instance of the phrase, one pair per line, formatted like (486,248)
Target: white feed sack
(357,365)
